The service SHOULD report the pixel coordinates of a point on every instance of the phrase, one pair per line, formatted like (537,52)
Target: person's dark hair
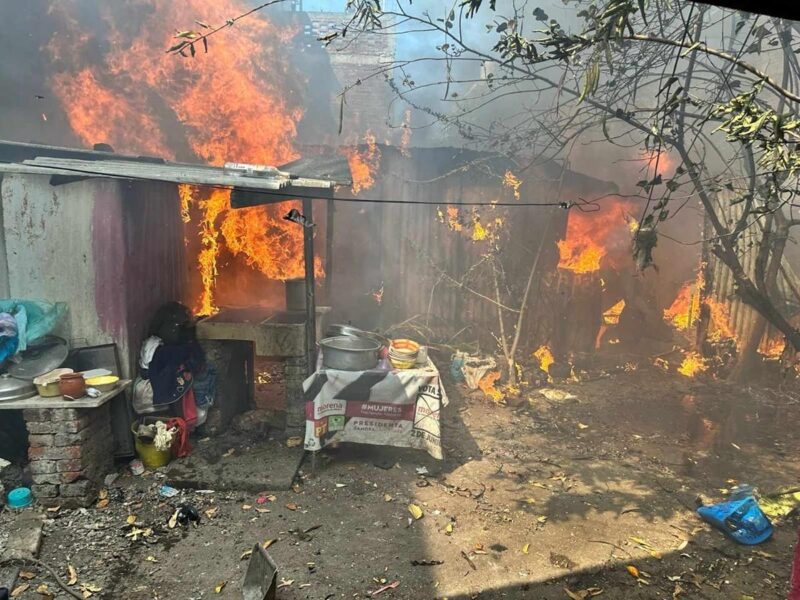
(173,322)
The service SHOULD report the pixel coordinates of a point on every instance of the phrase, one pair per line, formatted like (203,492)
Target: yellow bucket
(151,457)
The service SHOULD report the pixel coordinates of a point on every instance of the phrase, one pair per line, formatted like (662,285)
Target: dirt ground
(564,493)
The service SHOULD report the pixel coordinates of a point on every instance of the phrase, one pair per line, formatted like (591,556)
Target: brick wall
(70,452)
(353,59)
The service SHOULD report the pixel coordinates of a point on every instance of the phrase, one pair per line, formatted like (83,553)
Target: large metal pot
(346,353)
(350,331)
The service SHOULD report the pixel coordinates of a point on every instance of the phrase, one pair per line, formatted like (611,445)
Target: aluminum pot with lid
(350,331)
(345,353)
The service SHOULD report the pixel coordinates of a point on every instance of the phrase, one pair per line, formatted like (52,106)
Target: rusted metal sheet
(742,317)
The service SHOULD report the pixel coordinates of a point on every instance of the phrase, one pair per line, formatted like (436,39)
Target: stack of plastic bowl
(403,353)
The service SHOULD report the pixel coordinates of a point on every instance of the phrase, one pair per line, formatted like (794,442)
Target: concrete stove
(276,336)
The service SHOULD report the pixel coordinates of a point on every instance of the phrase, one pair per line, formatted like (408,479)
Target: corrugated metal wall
(742,316)
(408,247)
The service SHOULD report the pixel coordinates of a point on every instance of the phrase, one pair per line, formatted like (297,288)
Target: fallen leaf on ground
(526,548)
(261,511)
(292,506)
(131,519)
(297,488)
(246,506)
(19,589)
(268,543)
(415,511)
(449,529)
(285,583)
(426,563)
(220,586)
(542,519)
(27,574)
(211,512)
(246,554)
(583,426)
(479,549)
(677,591)
(387,498)
(151,559)
(102,503)
(102,494)
(293,442)
(229,452)
(583,594)
(73,575)
(633,571)
(173,520)
(467,558)
(54,509)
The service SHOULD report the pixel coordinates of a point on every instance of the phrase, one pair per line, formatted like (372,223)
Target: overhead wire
(582,205)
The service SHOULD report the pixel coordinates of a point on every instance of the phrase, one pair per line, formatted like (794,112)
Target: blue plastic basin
(19,498)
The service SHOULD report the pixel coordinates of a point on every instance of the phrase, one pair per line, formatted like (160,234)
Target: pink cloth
(794,582)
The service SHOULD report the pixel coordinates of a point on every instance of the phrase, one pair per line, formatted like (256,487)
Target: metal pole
(311,306)
(329,253)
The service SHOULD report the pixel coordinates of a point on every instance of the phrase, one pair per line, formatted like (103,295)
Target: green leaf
(641,9)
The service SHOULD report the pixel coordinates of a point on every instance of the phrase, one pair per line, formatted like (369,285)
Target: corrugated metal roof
(274,180)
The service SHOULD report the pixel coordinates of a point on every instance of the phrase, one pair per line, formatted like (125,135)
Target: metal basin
(346,353)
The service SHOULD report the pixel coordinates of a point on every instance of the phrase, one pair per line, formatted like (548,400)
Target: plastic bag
(35,318)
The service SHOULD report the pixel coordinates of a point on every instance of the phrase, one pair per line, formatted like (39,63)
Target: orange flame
(613,314)
(590,236)
(773,347)
(363,163)
(545,357)
(693,364)
(684,311)
(513,183)
(486,384)
(233,103)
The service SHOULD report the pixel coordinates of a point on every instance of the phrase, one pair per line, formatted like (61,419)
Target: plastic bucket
(151,457)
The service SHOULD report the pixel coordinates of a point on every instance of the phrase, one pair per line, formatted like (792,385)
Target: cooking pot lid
(12,388)
(41,357)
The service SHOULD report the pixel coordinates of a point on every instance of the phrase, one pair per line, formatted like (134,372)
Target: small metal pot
(346,353)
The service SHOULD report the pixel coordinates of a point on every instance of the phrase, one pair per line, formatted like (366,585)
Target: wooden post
(311,306)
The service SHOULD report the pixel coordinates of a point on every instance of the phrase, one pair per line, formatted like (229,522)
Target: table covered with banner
(382,407)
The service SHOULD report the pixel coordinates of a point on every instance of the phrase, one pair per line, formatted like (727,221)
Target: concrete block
(84,488)
(25,535)
(41,491)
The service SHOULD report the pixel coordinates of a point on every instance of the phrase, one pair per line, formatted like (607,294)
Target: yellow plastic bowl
(105,383)
(402,364)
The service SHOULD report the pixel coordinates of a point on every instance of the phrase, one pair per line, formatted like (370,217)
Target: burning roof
(268,184)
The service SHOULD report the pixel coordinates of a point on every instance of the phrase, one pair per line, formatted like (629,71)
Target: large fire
(591,236)
(233,103)
(684,312)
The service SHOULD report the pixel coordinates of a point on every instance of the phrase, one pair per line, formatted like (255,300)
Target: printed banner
(386,408)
